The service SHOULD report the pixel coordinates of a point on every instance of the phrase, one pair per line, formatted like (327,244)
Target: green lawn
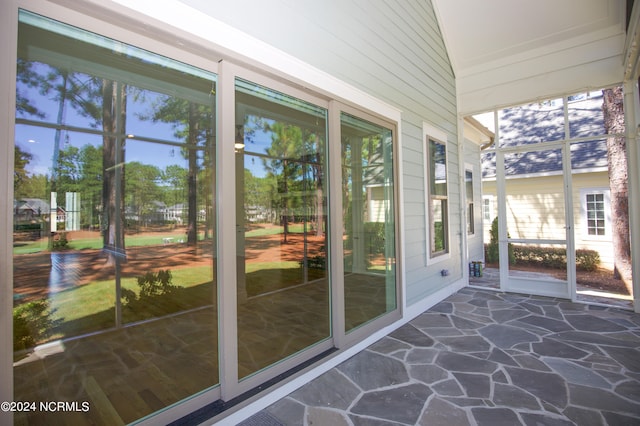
(27,247)
(91,307)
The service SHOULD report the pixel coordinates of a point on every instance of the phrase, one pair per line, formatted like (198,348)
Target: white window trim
(607,214)
(468,167)
(431,132)
(491,199)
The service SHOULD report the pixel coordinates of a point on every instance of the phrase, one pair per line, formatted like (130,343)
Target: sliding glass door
(183,236)
(368,220)
(282,239)
(114,243)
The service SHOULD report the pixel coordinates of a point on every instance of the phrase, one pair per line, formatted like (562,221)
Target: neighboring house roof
(534,123)
(36,205)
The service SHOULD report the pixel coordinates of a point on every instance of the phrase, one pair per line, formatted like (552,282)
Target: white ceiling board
(517,48)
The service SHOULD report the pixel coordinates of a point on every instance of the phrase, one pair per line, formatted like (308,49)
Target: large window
(114,252)
(368,220)
(438,199)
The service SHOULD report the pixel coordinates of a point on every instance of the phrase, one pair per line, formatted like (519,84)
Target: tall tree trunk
(192,213)
(614,123)
(113,104)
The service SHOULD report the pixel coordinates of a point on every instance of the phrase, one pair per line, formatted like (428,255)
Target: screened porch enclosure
(547,201)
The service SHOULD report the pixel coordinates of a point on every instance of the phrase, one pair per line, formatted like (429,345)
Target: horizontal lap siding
(541,210)
(394,51)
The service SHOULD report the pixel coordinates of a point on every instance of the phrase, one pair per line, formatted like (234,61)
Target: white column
(632,119)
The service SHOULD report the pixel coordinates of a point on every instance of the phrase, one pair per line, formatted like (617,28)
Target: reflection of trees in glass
(286,147)
(175,177)
(103,102)
(192,123)
(294,161)
(141,190)
(114,113)
(21,159)
(27,77)
(90,185)
(258,195)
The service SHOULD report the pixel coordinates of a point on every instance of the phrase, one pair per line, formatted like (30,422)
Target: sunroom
(233,196)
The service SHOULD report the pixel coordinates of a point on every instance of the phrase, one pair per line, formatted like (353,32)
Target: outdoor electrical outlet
(444,272)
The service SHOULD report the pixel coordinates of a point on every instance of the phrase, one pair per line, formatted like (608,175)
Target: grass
(28,247)
(294,228)
(91,307)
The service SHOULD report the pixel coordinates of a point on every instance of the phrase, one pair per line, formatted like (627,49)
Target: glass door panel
(114,290)
(368,220)
(536,249)
(281,203)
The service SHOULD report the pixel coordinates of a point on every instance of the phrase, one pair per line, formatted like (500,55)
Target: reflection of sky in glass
(39,141)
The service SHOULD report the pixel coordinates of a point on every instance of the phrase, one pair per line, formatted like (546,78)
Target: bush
(60,241)
(32,323)
(548,257)
(157,296)
(315,262)
(151,285)
(587,260)
(374,234)
(555,258)
(492,253)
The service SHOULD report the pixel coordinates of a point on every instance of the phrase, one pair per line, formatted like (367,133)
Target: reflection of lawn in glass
(91,307)
(95,243)
(265,277)
(294,228)
(140,240)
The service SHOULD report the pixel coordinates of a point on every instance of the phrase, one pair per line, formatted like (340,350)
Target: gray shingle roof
(536,123)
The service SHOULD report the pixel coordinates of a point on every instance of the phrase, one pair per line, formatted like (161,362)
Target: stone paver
(485,358)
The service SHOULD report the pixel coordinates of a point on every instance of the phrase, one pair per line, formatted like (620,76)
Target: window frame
(584,226)
(487,207)
(470,203)
(431,133)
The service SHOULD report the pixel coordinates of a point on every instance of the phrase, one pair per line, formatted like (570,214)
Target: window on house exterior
(595,213)
(487,209)
(468,182)
(437,197)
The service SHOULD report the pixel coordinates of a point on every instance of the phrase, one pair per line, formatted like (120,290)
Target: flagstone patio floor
(482,357)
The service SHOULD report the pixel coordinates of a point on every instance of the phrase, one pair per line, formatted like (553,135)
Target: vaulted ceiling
(506,51)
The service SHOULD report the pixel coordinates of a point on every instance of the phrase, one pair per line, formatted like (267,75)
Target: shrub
(60,242)
(315,262)
(375,238)
(587,260)
(556,257)
(157,296)
(32,323)
(492,253)
(151,285)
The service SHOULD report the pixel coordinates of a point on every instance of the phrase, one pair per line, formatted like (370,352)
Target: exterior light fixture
(239,140)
